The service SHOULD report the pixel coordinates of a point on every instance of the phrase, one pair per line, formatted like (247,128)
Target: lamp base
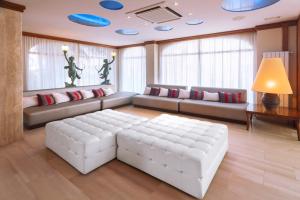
(270,101)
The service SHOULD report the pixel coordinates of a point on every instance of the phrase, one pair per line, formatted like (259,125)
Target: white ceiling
(50,17)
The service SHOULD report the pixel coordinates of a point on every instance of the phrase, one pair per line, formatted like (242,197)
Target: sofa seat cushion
(88,141)
(117,99)
(180,151)
(235,111)
(43,114)
(164,103)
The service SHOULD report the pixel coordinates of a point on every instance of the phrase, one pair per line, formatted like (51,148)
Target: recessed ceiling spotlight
(190,14)
(127,31)
(195,22)
(176,3)
(128,17)
(111,4)
(246,5)
(89,20)
(164,28)
(272,18)
(238,18)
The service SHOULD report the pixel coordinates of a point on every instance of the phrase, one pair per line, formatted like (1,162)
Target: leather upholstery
(88,141)
(182,152)
(117,99)
(233,111)
(163,103)
(43,114)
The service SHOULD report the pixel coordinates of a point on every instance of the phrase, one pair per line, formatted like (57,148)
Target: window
(133,69)
(44,63)
(225,62)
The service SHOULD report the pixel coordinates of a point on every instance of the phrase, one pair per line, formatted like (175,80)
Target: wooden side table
(280,112)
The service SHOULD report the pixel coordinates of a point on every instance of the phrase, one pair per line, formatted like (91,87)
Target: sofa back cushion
(147,90)
(184,94)
(196,94)
(75,96)
(154,91)
(87,94)
(210,89)
(226,97)
(46,99)
(60,97)
(211,96)
(99,92)
(163,92)
(30,101)
(173,93)
(108,91)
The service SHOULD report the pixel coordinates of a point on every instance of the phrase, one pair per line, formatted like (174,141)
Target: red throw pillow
(99,92)
(226,97)
(196,95)
(45,99)
(75,96)
(173,93)
(154,91)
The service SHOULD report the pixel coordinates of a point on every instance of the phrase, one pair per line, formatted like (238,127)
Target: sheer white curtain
(225,62)
(133,69)
(91,59)
(180,63)
(44,63)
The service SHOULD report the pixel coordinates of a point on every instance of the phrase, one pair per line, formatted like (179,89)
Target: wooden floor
(262,164)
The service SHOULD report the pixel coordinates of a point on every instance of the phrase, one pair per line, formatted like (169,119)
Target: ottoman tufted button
(150,159)
(165,165)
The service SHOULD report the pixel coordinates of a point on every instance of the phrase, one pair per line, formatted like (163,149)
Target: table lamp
(271,79)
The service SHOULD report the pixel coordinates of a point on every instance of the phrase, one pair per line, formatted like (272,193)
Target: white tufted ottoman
(183,152)
(88,141)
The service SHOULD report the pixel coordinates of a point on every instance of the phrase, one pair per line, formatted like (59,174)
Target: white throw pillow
(60,98)
(163,92)
(87,94)
(147,90)
(30,101)
(184,94)
(108,91)
(207,96)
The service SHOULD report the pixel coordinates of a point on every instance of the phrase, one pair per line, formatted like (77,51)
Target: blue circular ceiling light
(111,4)
(194,22)
(127,31)
(89,20)
(246,5)
(164,28)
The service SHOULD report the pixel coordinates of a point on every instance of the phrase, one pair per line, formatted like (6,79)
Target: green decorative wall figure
(105,69)
(72,68)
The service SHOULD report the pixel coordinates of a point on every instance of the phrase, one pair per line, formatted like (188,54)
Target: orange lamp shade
(272,78)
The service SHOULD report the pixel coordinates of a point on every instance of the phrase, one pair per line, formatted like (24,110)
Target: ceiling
(50,17)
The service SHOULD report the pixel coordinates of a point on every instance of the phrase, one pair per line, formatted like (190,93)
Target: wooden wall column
(11,80)
(298,61)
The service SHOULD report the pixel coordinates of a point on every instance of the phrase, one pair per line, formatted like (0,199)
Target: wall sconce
(113,54)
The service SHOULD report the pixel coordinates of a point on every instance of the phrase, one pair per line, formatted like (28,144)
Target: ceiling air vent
(156,13)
